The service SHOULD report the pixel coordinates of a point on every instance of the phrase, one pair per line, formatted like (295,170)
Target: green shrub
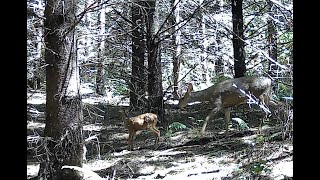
(177,126)
(284,91)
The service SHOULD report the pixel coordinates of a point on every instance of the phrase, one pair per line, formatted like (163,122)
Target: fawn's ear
(190,88)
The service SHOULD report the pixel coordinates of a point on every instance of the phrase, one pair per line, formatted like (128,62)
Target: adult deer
(223,96)
(145,121)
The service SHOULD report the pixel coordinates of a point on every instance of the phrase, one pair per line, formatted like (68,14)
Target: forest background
(142,54)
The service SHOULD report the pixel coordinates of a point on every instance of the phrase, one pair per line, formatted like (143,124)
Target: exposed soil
(182,153)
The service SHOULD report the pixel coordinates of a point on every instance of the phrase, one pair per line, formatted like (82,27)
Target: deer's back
(231,96)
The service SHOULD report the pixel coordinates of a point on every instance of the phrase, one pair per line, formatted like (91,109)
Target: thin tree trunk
(237,40)
(272,42)
(38,56)
(204,40)
(100,88)
(63,130)
(176,47)
(219,64)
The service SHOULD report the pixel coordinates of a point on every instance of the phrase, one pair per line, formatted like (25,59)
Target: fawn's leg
(157,132)
(130,139)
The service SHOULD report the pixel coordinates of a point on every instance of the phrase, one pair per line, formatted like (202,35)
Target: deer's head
(185,99)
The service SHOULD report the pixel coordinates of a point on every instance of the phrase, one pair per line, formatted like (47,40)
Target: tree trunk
(175,46)
(63,130)
(155,80)
(138,74)
(154,64)
(204,48)
(237,40)
(272,42)
(100,88)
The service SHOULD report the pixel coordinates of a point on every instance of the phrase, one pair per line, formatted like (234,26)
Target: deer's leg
(265,100)
(212,113)
(227,112)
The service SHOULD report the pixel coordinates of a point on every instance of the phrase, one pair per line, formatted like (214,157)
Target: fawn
(145,121)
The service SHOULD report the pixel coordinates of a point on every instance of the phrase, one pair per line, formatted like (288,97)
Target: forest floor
(182,153)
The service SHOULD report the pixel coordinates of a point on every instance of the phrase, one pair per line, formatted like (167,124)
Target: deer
(225,95)
(146,121)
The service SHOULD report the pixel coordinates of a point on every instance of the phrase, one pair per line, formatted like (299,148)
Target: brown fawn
(223,96)
(147,121)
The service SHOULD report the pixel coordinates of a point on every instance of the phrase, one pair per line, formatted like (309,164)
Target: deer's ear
(190,88)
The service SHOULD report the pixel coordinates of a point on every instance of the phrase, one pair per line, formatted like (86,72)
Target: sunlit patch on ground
(197,167)
(93,127)
(35,125)
(33,169)
(36,98)
(282,169)
(96,165)
(109,98)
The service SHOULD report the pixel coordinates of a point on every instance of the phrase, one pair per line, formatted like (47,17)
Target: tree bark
(63,130)
(155,90)
(138,75)
(100,88)
(237,40)
(100,80)
(174,20)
